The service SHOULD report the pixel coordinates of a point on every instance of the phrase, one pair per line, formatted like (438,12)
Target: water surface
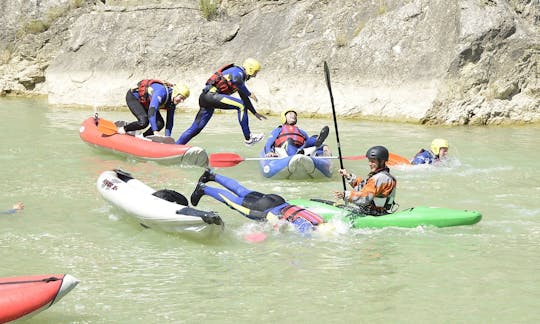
(488,272)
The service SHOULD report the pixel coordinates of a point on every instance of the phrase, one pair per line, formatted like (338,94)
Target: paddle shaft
(232,159)
(327,77)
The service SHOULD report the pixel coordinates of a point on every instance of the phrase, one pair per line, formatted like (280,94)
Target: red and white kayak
(141,148)
(26,296)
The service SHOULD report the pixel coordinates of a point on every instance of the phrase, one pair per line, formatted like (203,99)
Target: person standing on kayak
(18,206)
(294,140)
(438,152)
(374,195)
(217,94)
(146,100)
(253,204)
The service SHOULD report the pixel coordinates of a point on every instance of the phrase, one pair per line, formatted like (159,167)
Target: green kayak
(412,217)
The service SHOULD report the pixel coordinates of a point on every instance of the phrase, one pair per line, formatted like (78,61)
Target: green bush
(35,26)
(209,9)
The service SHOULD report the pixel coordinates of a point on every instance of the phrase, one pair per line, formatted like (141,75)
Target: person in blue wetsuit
(217,93)
(439,150)
(294,140)
(18,206)
(146,100)
(253,204)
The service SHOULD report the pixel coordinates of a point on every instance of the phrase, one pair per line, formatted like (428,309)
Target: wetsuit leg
(311,141)
(222,195)
(138,111)
(232,185)
(221,101)
(202,118)
(290,148)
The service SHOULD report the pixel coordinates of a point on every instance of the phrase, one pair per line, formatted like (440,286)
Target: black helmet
(377,152)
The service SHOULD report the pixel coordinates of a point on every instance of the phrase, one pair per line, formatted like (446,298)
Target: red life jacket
(290,131)
(142,90)
(293,212)
(221,83)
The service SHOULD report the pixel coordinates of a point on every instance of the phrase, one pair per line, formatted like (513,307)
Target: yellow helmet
(285,112)
(251,66)
(180,89)
(437,144)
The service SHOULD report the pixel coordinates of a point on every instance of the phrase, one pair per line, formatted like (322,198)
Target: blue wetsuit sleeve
(269,147)
(170,120)
(306,137)
(423,157)
(159,95)
(237,77)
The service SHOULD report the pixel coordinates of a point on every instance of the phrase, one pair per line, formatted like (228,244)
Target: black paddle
(327,76)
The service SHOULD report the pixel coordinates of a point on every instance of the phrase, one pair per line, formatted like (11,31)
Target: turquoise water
(488,272)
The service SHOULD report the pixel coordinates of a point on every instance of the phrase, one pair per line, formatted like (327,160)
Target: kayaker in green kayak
(375,194)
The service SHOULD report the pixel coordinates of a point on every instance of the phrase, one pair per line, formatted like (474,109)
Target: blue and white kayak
(298,166)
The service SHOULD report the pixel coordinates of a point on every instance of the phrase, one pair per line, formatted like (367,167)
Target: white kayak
(165,210)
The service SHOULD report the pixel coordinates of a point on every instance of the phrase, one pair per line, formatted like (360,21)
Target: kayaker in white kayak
(18,206)
(439,150)
(292,139)
(375,194)
(253,204)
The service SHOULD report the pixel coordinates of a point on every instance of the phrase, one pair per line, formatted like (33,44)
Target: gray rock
(427,61)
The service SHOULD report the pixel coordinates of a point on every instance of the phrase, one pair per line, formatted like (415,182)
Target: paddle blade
(224,160)
(394,159)
(106,127)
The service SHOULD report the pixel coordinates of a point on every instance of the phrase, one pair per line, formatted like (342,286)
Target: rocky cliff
(427,61)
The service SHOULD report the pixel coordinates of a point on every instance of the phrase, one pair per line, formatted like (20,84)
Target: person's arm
(269,147)
(159,95)
(243,91)
(18,206)
(170,120)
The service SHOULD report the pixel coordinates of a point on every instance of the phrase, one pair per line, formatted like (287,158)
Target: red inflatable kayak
(28,295)
(141,148)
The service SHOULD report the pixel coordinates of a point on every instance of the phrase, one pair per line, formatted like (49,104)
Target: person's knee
(143,123)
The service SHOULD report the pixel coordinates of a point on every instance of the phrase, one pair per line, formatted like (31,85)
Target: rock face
(426,61)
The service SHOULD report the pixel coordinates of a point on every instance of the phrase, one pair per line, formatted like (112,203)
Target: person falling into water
(253,204)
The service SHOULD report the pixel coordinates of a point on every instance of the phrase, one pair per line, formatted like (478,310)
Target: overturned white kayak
(165,210)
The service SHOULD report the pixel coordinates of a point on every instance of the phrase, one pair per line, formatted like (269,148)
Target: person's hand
(254,97)
(18,206)
(121,130)
(326,150)
(259,116)
(339,194)
(271,154)
(344,173)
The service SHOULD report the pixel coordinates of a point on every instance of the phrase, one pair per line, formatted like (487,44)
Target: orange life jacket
(221,83)
(290,131)
(142,90)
